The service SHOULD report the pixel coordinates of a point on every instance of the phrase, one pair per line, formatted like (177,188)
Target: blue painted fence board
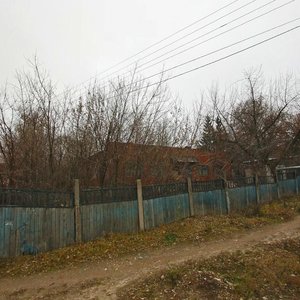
(287,187)
(211,202)
(165,210)
(99,219)
(242,197)
(268,192)
(33,230)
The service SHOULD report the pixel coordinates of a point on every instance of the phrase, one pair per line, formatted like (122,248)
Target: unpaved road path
(101,280)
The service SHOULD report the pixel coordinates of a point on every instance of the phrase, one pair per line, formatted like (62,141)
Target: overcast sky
(76,39)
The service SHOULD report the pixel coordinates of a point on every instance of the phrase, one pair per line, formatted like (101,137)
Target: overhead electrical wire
(168,37)
(157,43)
(137,67)
(213,62)
(215,36)
(194,31)
(178,47)
(211,38)
(218,50)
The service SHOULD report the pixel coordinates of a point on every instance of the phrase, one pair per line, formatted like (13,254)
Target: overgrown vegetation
(192,230)
(269,272)
(48,139)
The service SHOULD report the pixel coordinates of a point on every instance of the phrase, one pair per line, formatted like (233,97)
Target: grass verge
(191,230)
(269,272)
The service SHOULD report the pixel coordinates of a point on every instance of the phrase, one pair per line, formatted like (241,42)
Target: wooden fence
(37,221)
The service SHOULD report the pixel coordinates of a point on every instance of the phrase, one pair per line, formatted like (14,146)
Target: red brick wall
(155,164)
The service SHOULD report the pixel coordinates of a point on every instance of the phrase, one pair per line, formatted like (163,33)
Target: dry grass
(195,230)
(268,272)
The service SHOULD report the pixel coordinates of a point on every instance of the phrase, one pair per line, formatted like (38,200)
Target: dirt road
(102,279)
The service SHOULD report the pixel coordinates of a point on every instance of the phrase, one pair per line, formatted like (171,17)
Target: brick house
(123,163)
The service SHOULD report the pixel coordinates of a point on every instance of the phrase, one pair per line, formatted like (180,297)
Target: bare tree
(254,119)
(8,146)
(125,112)
(47,141)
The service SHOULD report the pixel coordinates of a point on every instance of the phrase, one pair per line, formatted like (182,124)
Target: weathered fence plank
(268,192)
(140,204)
(31,229)
(191,201)
(165,210)
(287,187)
(100,219)
(210,202)
(241,197)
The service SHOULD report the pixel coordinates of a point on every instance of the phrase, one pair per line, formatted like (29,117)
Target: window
(203,170)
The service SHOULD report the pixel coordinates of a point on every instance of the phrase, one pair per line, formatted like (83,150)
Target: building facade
(124,163)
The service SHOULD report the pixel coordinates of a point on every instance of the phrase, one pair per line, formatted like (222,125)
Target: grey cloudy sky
(76,39)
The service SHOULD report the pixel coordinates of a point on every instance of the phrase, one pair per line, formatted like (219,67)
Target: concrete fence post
(140,204)
(228,208)
(191,200)
(77,216)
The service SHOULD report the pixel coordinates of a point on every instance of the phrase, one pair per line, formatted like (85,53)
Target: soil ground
(102,279)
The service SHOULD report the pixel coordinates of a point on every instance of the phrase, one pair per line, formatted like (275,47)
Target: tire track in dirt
(100,280)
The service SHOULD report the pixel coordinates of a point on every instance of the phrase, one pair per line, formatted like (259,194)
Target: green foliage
(170,238)
(207,141)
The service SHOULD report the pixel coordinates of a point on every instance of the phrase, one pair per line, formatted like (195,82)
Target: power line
(189,34)
(220,49)
(170,36)
(235,27)
(75,91)
(211,38)
(214,61)
(215,36)
(156,43)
